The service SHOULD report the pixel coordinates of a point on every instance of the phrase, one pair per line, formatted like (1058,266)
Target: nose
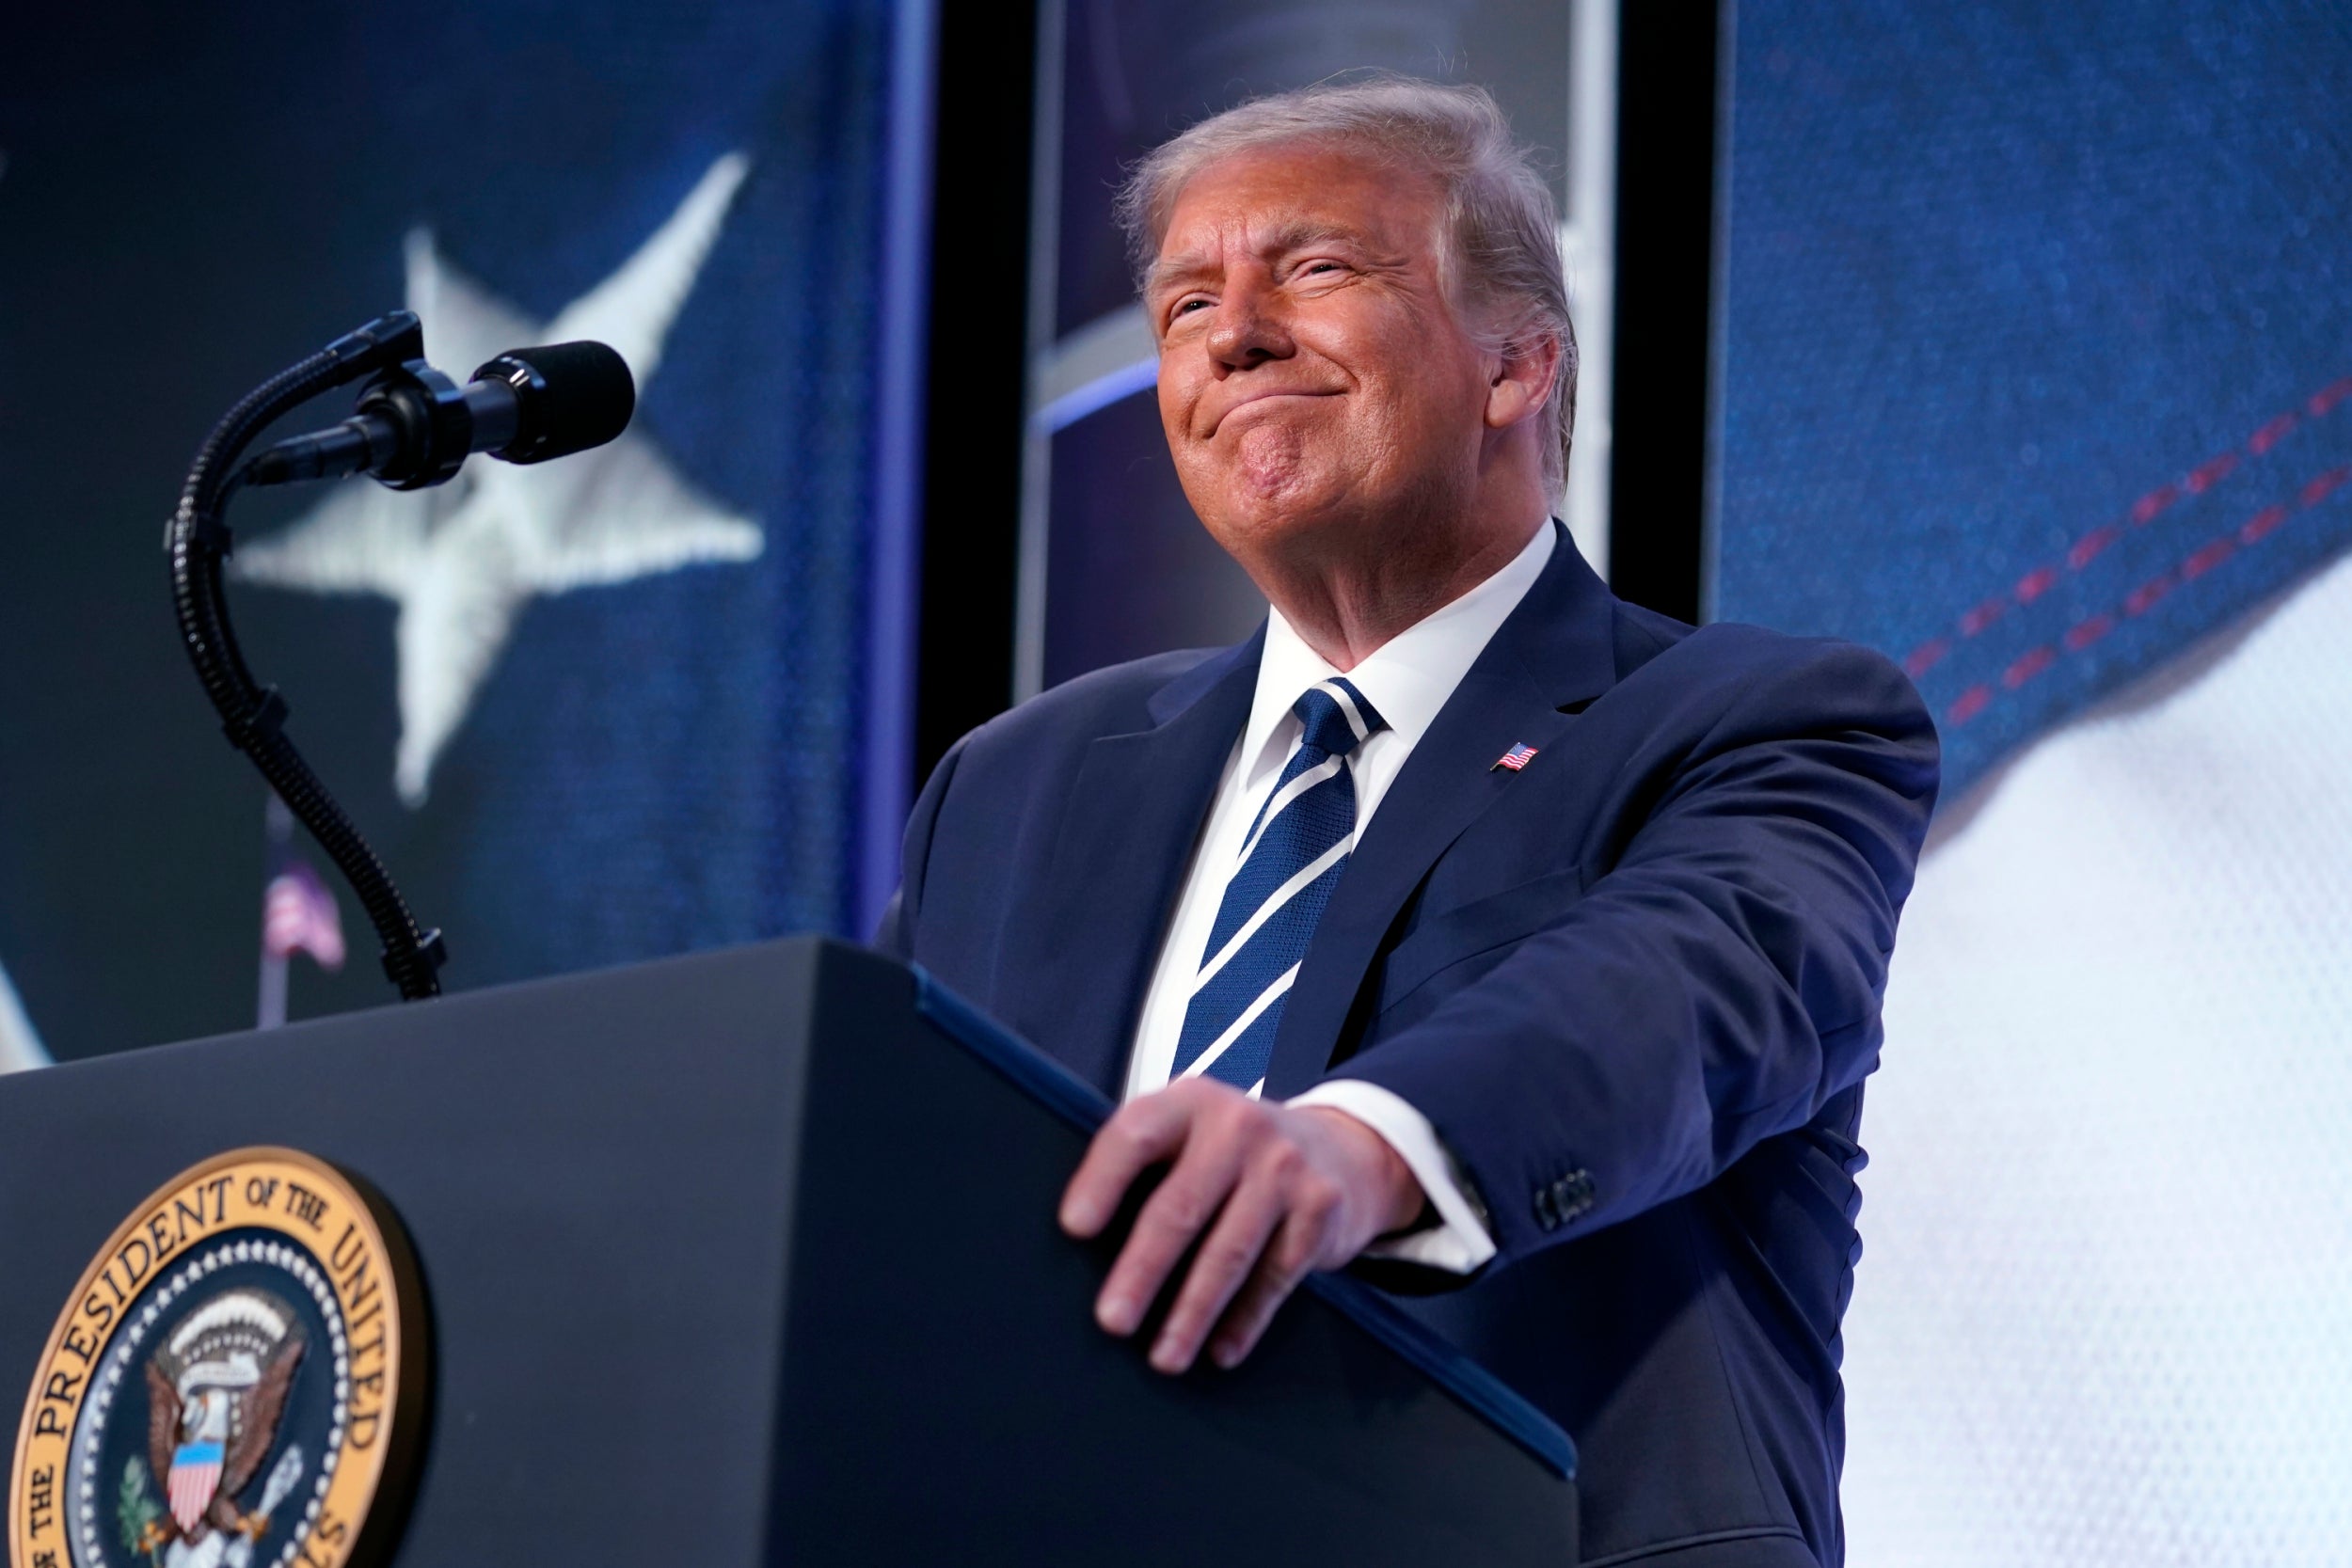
(1249,328)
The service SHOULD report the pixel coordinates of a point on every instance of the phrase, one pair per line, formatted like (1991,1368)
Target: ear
(1521,381)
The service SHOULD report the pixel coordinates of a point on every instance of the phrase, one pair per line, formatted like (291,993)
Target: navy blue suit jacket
(1634,986)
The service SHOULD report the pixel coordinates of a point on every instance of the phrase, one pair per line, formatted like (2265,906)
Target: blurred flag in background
(2034,375)
(298,915)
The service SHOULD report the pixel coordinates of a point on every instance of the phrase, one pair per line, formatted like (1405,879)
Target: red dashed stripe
(2206,475)
(2259,525)
(2204,560)
(1923,657)
(1971,702)
(2140,600)
(2082,634)
(2029,665)
(2144,511)
(2199,479)
(2087,548)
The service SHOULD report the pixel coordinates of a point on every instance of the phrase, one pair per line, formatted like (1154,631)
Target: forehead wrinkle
(1170,269)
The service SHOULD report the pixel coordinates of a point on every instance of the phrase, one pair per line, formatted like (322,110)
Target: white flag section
(2104,1312)
(19,1048)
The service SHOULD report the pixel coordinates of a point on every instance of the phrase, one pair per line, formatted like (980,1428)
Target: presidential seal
(238,1380)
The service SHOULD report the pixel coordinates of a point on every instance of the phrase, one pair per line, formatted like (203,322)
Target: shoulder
(1735,655)
(1050,730)
(1014,772)
(1115,700)
(1730,671)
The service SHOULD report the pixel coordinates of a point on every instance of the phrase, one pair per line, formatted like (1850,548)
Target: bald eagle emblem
(236,1382)
(216,1393)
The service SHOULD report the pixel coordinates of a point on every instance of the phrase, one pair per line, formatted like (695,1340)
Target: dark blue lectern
(750,1258)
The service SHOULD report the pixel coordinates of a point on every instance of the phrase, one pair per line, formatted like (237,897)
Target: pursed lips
(1267,396)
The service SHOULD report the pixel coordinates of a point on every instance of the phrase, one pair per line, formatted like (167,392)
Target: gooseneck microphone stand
(197,540)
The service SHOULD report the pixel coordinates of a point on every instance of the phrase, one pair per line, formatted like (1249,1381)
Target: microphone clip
(428,421)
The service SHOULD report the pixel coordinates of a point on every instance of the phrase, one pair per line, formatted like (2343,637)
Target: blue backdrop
(2037,326)
(656,702)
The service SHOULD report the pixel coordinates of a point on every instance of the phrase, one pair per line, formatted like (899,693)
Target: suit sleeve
(895,935)
(1716,983)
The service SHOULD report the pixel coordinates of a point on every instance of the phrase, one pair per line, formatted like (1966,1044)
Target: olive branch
(136,1512)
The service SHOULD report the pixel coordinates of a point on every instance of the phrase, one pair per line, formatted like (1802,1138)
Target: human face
(1320,397)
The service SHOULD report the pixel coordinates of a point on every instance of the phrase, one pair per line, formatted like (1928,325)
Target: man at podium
(1514,945)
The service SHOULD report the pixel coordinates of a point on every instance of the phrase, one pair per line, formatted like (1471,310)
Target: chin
(1286,519)
(1269,476)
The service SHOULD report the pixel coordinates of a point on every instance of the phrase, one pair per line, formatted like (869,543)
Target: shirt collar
(1407,679)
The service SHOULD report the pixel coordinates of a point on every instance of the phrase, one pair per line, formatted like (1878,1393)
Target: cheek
(1179,390)
(1414,366)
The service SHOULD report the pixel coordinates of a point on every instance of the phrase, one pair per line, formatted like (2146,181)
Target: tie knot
(1336,717)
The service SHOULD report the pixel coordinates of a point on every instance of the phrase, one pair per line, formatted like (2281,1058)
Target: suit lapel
(1124,843)
(1557,649)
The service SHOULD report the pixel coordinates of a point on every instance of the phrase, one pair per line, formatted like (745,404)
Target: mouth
(1268,396)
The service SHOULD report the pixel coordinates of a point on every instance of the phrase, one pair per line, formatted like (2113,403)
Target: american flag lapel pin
(1516,758)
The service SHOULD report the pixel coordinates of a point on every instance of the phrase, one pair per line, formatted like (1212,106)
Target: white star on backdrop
(19,1048)
(461,561)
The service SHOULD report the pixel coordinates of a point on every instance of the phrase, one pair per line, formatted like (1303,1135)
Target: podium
(749,1258)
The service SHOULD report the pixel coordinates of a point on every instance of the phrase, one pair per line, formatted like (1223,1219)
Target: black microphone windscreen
(571,397)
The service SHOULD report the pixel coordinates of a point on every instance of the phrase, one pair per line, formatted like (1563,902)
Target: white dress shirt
(1406,680)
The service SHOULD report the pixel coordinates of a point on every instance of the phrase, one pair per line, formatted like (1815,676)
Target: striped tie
(1290,861)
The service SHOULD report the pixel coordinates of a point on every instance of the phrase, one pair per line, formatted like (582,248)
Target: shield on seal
(195,1475)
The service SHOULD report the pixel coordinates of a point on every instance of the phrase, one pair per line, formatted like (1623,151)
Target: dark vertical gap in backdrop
(978,343)
(1665,249)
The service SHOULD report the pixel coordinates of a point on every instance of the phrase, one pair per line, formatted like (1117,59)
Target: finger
(1140,1134)
(1279,1269)
(1187,1200)
(1250,1217)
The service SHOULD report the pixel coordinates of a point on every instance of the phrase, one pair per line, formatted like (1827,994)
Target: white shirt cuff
(1460,1243)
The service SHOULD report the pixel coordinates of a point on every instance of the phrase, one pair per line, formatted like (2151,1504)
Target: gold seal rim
(383,1503)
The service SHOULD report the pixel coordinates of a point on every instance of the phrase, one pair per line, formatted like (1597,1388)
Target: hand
(1278,1191)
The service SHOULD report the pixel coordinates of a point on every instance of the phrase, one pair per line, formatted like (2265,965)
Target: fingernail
(1078,1219)
(1117,1314)
(1165,1357)
(1226,1354)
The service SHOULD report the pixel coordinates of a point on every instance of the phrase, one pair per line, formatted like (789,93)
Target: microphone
(415,426)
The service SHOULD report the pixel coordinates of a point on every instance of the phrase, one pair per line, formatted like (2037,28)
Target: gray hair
(1503,262)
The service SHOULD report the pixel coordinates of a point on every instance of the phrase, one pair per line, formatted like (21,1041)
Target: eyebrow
(1297,234)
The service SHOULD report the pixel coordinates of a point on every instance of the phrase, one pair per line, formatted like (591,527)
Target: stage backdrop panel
(2036,373)
(645,700)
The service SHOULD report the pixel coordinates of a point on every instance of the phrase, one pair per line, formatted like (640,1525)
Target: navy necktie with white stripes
(1290,861)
